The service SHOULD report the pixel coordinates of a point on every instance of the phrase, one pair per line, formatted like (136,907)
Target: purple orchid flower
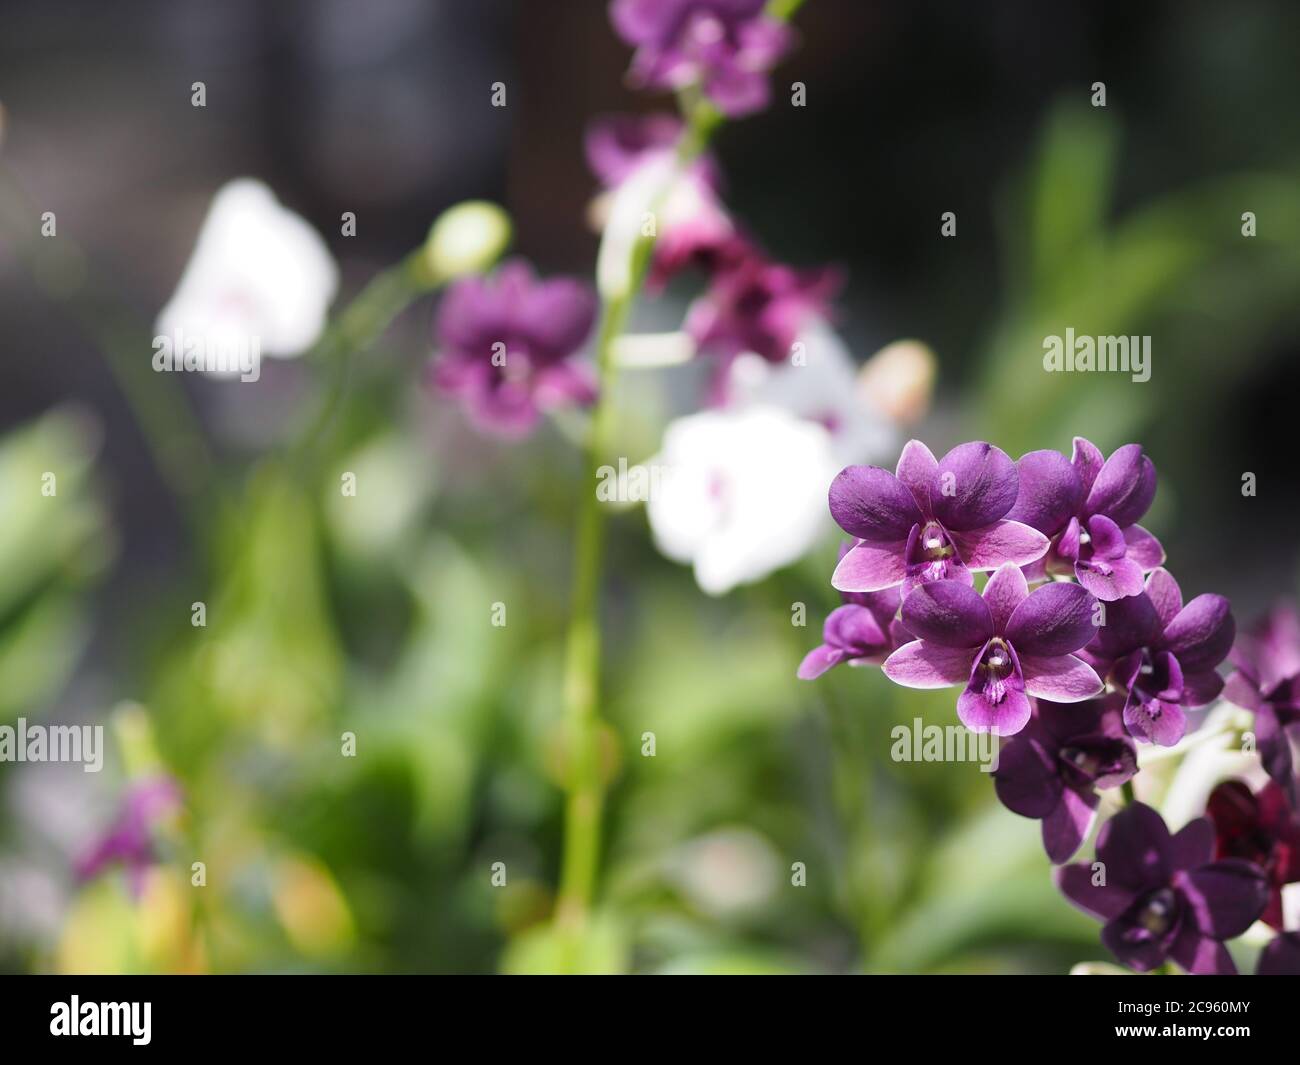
(695,229)
(1267,682)
(506,345)
(130,838)
(863,632)
(1005,646)
(1281,957)
(1161,896)
(930,520)
(1052,770)
(1089,508)
(1162,655)
(1261,828)
(755,305)
(617,146)
(725,46)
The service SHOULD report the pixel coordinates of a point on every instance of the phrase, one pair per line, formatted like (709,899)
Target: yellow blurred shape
(311,908)
(107,932)
(98,934)
(165,924)
(898,380)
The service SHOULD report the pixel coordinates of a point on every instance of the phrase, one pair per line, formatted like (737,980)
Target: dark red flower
(1262,828)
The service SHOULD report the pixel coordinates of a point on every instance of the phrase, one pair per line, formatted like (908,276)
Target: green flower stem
(361,323)
(1127,793)
(582,650)
(585,784)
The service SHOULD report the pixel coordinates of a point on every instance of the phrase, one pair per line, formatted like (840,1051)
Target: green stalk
(360,324)
(585,798)
(585,786)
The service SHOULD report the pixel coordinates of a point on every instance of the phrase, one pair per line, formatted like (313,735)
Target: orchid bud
(899,379)
(467,239)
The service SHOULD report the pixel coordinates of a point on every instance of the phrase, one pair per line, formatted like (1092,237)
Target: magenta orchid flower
(129,840)
(859,634)
(930,520)
(1053,768)
(756,305)
(506,343)
(1004,646)
(1090,508)
(1267,682)
(617,146)
(727,47)
(1163,655)
(1161,896)
(863,632)
(694,228)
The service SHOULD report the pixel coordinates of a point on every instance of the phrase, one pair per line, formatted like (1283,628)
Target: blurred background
(374,619)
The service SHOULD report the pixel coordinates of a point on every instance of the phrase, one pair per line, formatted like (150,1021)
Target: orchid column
(716,59)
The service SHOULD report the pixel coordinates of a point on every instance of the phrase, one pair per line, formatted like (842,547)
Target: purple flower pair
(506,345)
(931,519)
(1163,655)
(752,303)
(726,47)
(1090,506)
(1162,897)
(1004,646)
(1267,682)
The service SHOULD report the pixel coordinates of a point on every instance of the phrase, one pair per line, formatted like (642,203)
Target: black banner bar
(358,1013)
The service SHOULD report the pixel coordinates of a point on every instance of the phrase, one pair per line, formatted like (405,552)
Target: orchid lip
(995,666)
(1158,911)
(1090,762)
(936,551)
(1153,680)
(1084,761)
(935,544)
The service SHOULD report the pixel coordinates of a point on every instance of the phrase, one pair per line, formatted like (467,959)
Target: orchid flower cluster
(781,394)
(507,343)
(1079,652)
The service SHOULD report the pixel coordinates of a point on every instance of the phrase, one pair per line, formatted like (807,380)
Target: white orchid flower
(742,489)
(259,273)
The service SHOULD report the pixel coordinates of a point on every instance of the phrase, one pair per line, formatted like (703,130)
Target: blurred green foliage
(54,541)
